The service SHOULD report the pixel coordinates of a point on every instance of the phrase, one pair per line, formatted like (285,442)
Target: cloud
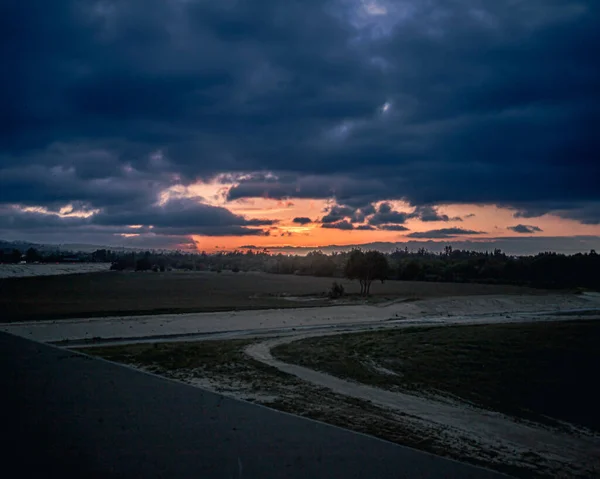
(365,228)
(428,213)
(385,214)
(179,218)
(340,225)
(585,213)
(362,212)
(302,220)
(443,233)
(392,228)
(184,216)
(337,213)
(524,228)
(115,102)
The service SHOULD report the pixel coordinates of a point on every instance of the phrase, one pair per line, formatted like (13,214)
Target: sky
(215,125)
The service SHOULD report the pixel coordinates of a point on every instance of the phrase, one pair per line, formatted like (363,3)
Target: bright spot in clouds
(373,8)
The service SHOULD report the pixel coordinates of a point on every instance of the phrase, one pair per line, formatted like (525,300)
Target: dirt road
(450,310)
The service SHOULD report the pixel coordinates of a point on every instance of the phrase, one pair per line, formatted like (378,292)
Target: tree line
(544,270)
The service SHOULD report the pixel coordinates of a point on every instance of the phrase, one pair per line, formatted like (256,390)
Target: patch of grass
(174,356)
(199,356)
(529,370)
(230,369)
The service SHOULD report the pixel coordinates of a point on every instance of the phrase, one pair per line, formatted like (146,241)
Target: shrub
(336,291)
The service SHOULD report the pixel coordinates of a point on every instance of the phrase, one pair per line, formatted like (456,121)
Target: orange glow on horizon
(491,220)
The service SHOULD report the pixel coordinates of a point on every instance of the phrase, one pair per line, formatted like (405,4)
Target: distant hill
(74,247)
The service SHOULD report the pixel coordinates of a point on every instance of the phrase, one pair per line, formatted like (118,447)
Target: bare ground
(446,310)
(144,293)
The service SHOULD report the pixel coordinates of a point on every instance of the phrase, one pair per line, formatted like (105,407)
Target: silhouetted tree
(32,255)
(366,267)
(15,256)
(143,264)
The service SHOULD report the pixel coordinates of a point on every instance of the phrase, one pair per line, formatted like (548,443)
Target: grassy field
(223,366)
(128,293)
(527,370)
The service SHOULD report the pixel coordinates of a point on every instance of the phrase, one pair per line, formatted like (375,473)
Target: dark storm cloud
(392,228)
(95,177)
(524,229)
(587,213)
(18,220)
(351,191)
(385,214)
(504,109)
(361,213)
(337,213)
(429,213)
(340,225)
(185,216)
(176,218)
(443,233)
(302,220)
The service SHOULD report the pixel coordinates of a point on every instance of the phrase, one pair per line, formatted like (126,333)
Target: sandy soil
(452,310)
(24,270)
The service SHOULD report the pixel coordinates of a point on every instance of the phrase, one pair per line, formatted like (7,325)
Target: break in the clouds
(107,105)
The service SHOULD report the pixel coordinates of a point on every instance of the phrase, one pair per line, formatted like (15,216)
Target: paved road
(75,416)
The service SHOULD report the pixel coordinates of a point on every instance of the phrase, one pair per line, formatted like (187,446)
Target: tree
(143,264)
(366,267)
(320,264)
(15,256)
(32,255)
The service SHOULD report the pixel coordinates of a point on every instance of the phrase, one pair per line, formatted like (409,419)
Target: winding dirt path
(460,425)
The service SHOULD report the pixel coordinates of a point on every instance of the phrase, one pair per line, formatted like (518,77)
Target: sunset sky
(211,125)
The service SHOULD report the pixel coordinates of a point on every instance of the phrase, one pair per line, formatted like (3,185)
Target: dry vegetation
(129,293)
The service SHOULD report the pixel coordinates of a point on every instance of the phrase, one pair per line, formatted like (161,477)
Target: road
(71,415)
